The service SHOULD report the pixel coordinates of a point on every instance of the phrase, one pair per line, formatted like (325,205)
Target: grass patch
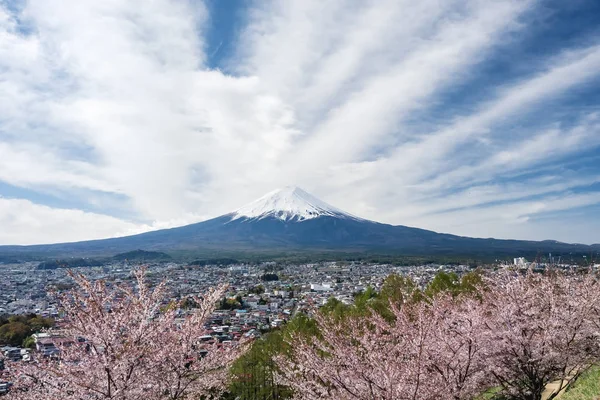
(587,386)
(489,394)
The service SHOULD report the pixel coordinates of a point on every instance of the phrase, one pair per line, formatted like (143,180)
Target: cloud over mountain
(471,117)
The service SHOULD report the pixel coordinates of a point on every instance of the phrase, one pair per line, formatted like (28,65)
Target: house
(325,287)
(49,343)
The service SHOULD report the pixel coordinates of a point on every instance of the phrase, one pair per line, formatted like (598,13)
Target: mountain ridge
(291,219)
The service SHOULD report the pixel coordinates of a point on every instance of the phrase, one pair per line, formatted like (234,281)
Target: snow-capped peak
(288,203)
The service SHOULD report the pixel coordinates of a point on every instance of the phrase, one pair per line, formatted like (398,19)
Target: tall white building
(520,261)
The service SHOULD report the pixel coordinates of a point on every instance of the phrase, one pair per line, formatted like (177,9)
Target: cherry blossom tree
(541,328)
(125,342)
(456,347)
(354,359)
(518,334)
(431,350)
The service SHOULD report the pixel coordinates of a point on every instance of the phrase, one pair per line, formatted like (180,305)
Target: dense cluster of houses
(255,305)
(252,306)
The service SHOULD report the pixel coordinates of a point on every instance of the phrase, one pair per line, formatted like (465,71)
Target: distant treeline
(131,256)
(8,260)
(142,255)
(71,263)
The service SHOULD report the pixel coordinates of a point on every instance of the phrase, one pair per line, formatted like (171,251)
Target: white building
(325,287)
(520,261)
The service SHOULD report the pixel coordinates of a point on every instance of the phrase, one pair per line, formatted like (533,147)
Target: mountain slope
(292,219)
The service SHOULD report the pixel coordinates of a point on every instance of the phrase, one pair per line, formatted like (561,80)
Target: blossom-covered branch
(518,333)
(121,342)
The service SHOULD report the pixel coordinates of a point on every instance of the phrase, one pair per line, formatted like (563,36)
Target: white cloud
(520,219)
(24,222)
(111,97)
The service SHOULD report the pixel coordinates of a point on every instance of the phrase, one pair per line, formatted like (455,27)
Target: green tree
(259,289)
(37,324)
(253,374)
(20,318)
(444,282)
(472,282)
(28,342)
(399,289)
(302,324)
(449,282)
(188,303)
(335,308)
(269,277)
(14,333)
(229,304)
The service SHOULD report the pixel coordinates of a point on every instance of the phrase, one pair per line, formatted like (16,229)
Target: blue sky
(473,117)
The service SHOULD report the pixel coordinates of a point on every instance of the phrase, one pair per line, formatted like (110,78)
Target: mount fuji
(292,220)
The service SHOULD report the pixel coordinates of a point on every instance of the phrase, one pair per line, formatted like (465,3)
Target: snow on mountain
(287,204)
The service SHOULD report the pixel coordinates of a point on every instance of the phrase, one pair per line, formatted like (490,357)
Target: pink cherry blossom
(119,344)
(517,334)
(541,328)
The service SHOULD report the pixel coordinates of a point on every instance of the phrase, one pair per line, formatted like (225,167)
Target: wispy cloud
(340,97)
